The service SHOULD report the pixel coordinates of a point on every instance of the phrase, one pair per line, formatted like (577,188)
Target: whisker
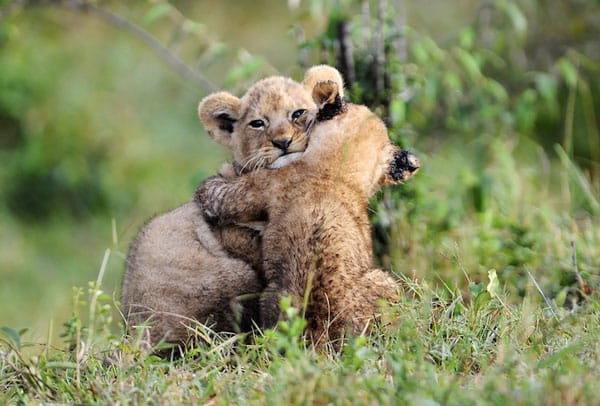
(252,162)
(244,167)
(260,163)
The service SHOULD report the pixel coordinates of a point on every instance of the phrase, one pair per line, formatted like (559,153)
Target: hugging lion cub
(182,270)
(316,244)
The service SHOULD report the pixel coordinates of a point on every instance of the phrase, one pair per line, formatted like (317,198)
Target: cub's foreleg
(226,202)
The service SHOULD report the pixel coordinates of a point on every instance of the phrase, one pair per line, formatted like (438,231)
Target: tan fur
(318,233)
(181,270)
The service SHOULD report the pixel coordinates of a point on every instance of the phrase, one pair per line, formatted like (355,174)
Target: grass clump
(436,346)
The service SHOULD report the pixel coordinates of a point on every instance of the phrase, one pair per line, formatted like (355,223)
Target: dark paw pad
(404,165)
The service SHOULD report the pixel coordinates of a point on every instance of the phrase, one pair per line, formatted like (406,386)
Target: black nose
(282,143)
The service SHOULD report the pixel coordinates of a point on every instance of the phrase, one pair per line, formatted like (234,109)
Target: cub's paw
(404,165)
(209,197)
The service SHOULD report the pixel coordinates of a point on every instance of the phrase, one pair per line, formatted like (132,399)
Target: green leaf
(397,111)
(245,71)
(469,63)
(467,38)
(497,90)
(561,297)
(475,288)
(569,72)
(156,13)
(452,81)
(516,16)
(13,337)
(493,286)
(420,53)
(482,299)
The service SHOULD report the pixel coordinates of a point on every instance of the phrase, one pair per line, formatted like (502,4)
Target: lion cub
(181,270)
(318,235)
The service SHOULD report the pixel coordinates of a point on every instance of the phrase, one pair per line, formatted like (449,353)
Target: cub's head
(272,119)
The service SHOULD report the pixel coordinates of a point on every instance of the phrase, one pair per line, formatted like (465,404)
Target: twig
(548,302)
(163,52)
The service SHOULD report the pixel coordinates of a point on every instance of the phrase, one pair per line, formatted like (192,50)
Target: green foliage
(495,241)
(438,346)
(480,93)
(12,337)
(62,155)
(53,159)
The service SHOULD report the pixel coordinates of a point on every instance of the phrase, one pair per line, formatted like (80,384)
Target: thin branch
(163,52)
(546,299)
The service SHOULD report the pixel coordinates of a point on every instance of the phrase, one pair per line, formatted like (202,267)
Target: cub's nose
(282,143)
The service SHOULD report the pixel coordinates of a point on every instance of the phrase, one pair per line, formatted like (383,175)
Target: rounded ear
(218,113)
(325,83)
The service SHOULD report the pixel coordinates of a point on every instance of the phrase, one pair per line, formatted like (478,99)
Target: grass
(499,307)
(435,351)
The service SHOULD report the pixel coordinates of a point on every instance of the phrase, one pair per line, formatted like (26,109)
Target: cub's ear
(218,113)
(326,93)
(323,73)
(326,85)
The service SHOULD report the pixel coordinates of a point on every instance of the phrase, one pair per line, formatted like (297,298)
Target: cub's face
(268,126)
(271,120)
(274,118)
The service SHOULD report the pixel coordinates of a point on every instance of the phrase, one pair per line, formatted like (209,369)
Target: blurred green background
(98,132)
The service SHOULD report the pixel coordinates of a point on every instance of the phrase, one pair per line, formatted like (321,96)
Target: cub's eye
(297,114)
(256,123)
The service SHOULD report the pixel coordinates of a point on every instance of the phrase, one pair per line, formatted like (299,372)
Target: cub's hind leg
(367,301)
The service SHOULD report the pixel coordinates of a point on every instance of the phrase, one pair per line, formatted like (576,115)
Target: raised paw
(404,165)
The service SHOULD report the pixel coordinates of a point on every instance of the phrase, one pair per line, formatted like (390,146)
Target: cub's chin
(285,160)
